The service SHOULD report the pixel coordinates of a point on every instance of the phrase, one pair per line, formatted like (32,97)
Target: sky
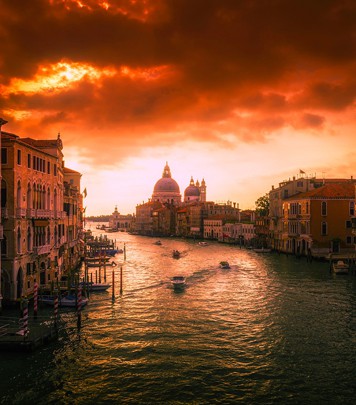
(242,93)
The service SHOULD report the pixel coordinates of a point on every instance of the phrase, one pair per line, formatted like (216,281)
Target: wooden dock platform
(40,332)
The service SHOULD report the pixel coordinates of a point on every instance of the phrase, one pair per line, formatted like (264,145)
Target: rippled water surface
(271,330)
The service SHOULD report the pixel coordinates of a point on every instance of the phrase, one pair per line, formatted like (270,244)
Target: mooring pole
(113,284)
(121,280)
(35,300)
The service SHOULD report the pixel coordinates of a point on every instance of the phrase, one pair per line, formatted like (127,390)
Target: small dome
(192,190)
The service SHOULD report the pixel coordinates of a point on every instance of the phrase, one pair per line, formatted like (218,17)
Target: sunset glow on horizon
(243,94)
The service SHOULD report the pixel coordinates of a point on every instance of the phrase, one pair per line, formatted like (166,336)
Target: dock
(15,337)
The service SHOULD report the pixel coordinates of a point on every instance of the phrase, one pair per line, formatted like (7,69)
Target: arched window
(55,200)
(4,246)
(34,195)
(18,202)
(18,240)
(3,193)
(48,236)
(29,239)
(28,196)
(48,199)
(323,208)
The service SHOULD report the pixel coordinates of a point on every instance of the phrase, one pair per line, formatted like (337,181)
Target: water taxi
(224,265)
(340,267)
(178,282)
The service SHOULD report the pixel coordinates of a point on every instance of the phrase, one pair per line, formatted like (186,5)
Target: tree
(262,206)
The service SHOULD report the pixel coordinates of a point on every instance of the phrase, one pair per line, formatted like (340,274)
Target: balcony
(4,213)
(21,212)
(30,213)
(42,250)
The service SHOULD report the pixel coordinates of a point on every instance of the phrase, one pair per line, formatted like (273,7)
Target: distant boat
(340,267)
(224,265)
(176,254)
(95,286)
(64,301)
(262,250)
(178,282)
(158,242)
(203,243)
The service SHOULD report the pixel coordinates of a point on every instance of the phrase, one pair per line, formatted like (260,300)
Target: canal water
(271,330)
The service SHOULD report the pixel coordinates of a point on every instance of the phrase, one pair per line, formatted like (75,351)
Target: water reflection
(272,329)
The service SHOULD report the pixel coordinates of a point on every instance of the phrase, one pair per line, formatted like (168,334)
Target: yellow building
(319,222)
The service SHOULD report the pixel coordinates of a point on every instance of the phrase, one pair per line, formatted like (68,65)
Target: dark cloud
(270,58)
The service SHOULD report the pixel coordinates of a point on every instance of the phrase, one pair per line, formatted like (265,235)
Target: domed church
(195,192)
(166,190)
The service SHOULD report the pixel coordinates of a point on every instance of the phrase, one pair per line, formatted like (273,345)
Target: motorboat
(95,286)
(158,242)
(178,282)
(340,267)
(176,254)
(262,250)
(63,301)
(203,243)
(225,265)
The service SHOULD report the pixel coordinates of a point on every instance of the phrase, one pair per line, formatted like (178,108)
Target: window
(55,169)
(323,208)
(348,224)
(18,157)
(4,156)
(352,208)
(348,240)
(48,167)
(324,228)
(29,161)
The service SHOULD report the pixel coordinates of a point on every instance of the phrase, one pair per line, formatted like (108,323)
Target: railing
(41,250)
(4,213)
(20,212)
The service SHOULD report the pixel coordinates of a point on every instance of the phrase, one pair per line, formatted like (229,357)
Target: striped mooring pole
(79,307)
(35,300)
(25,318)
(55,310)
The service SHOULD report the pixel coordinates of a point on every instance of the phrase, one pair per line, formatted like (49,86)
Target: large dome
(166,184)
(192,191)
(166,190)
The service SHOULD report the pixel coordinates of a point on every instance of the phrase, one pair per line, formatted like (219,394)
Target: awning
(41,222)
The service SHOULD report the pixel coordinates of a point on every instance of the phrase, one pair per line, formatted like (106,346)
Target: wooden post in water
(96,276)
(121,280)
(79,308)
(124,251)
(55,310)
(35,300)
(104,270)
(113,284)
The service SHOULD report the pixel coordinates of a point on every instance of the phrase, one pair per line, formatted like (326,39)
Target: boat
(95,286)
(158,242)
(203,243)
(176,254)
(340,267)
(63,301)
(224,265)
(262,250)
(178,282)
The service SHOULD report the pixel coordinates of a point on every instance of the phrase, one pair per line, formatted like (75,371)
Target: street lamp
(2,122)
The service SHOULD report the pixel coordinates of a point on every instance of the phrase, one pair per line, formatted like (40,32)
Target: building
(319,221)
(287,189)
(121,222)
(40,212)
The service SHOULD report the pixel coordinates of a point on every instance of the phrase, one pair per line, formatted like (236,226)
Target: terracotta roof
(67,170)
(329,191)
(41,143)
